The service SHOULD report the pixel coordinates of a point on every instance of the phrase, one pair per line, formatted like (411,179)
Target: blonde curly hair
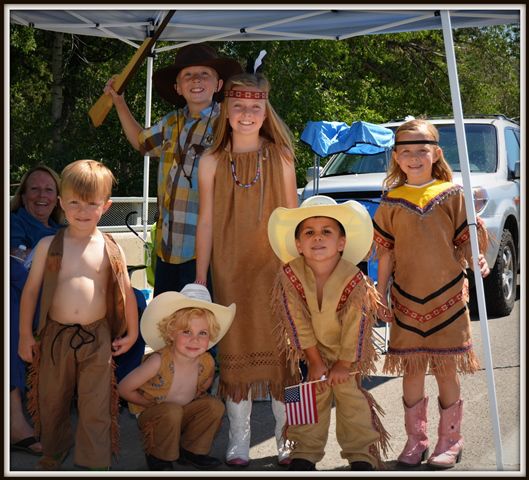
(181,319)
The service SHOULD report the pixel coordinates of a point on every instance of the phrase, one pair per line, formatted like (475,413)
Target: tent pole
(471,218)
(148,102)
(316,180)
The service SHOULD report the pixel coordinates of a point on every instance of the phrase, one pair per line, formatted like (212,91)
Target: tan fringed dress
(243,268)
(425,230)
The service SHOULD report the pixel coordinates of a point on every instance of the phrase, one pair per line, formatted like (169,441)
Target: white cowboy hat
(192,295)
(353,216)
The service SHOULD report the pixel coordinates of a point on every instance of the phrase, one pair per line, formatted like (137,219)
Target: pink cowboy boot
(449,446)
(416,448)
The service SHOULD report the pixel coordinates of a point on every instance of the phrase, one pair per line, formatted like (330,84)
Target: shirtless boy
(177,418)
(88,314)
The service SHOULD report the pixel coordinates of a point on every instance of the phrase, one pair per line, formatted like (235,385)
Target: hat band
(417,142)
(247,94)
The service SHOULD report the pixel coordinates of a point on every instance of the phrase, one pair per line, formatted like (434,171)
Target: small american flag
(300,402)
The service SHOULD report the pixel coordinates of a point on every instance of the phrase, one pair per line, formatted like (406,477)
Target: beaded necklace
(234,174)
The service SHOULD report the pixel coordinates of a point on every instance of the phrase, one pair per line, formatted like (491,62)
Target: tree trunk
(57,98)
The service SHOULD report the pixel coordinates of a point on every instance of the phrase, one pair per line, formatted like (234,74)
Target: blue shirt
(26,230)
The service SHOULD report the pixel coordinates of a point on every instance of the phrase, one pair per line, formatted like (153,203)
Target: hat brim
(164,79)
(354,218)
(167,303)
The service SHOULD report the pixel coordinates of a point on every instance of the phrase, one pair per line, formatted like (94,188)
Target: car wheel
(500,285)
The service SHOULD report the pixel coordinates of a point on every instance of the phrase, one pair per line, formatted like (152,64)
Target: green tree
(373,78)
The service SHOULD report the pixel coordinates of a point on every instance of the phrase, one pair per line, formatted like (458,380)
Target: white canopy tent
(259,22)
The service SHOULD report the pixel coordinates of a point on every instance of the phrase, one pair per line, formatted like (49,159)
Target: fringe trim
(466,362)
(239,391)
(464,251)
(383,445)
(380,251)
(283,294)
(363,297)
(147,430)
(114,412)
(33,385)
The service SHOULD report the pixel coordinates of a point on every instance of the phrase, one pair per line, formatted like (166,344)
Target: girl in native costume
(327,309)
(422,239)
(246,174)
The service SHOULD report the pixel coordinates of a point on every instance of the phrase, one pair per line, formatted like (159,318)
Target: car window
(513,147)
(482,153)
(481,144)
(344,164)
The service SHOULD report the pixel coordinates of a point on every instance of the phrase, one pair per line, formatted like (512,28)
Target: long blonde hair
(273,129)
(57,213)
(440,169)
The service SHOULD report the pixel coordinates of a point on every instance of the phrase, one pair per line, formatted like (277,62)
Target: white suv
(494,154)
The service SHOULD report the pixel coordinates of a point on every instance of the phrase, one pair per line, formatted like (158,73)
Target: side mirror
(310,173)
(514,174)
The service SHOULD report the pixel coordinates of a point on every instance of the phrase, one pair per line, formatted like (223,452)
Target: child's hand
(316,372)
(339,373)
(383,311)
(121,345)
(109,89)
(26,344)
(483,265)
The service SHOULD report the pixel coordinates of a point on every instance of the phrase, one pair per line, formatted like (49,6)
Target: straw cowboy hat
(353,216)
(192,295)
(192,56)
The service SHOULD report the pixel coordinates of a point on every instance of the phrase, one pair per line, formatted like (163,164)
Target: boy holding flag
(327,309)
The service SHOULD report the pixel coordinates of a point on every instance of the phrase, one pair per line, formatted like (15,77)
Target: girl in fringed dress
(247,173)
(422,239)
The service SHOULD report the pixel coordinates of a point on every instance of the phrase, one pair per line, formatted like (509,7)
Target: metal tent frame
(258,22)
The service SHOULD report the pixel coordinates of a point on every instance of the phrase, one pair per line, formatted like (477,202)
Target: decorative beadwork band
(247,94)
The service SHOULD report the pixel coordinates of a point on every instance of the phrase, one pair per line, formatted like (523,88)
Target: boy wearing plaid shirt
(193,84)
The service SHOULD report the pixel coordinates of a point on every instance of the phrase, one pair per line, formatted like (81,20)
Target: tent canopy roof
(255,22)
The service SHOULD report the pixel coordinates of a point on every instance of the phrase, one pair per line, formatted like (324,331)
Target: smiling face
(320,239)
(40,195)
(83,215)
(197,85)
(192,340)
(246,115)
(416,160)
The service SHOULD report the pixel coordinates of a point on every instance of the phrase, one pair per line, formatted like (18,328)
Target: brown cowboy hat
(191,56)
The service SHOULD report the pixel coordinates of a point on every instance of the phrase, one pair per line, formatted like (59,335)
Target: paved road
(479,454)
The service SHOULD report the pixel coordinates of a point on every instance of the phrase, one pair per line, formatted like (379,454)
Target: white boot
(238,452)
(283,448)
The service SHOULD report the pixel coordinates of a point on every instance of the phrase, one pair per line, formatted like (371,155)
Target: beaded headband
(247,94)
(417,142)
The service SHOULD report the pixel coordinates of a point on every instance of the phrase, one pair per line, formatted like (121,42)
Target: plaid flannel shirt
(177,199)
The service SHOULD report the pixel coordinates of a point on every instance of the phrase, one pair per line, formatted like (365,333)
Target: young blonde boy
(327,311)
(168,391)
(88,314)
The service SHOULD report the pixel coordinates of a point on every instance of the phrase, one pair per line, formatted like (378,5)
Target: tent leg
(471,218)
(148,102)
(316,174)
